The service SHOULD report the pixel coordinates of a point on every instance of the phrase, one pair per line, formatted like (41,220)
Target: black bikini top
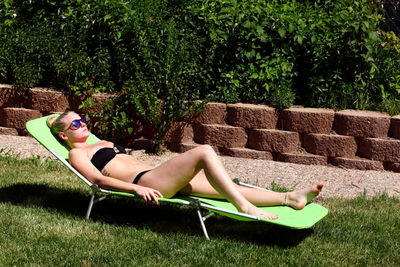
(105,155)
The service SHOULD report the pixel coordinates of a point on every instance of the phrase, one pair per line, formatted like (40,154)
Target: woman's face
(75,129)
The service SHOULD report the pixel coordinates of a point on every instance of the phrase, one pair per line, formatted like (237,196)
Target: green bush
(143,52)
(157,55)
(313,53)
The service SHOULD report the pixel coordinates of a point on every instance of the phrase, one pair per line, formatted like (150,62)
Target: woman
(196,172)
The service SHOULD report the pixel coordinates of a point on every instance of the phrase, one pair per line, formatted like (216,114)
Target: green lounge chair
(289,217)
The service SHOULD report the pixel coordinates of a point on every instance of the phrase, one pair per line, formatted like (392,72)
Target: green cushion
(289,217)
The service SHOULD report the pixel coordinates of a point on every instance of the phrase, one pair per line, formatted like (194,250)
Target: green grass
(42,223)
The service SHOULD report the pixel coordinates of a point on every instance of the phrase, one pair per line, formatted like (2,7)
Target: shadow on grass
(164,218)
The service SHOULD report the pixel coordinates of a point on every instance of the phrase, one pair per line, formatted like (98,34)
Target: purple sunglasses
(76,124)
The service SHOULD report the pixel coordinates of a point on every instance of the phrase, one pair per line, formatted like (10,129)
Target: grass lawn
(42,207)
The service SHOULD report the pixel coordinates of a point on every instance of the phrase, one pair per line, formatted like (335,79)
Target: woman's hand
(148,194)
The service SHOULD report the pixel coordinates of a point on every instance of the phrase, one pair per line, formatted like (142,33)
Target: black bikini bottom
(140,174)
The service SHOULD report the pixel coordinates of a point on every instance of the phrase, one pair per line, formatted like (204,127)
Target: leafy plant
(157,56)
(163,74)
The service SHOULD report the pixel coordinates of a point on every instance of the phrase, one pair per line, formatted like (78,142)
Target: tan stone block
(380,149)
(212,113)
(9,97)
(307,120)
(219,135)
(302,158)
(183,147)
(17,117)
(180,132)
(47,100)
(274,140)
(361,123)
(8,131)
(392,166)
(357,163)
(330,145)
(246,153)
(99,99)
(251,116)
(395,127)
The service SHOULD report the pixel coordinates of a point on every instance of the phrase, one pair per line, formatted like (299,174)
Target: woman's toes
(269,216)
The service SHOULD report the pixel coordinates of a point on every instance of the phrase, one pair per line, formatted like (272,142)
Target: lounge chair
(288,217)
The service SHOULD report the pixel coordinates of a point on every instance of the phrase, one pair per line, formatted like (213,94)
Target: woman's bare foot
(253,210)
(299,198)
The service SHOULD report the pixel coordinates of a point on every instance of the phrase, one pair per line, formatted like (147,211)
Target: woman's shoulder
(76,151)
(78,156)
(104,143)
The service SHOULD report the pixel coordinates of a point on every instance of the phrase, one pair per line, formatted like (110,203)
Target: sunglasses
(76,124)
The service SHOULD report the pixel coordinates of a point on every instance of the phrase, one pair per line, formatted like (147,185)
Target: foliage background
(155,55)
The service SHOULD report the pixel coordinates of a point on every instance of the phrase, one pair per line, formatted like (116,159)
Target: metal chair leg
(89,210)
(203,226)
(197,205)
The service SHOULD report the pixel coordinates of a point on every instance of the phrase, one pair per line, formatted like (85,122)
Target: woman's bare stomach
(125,168)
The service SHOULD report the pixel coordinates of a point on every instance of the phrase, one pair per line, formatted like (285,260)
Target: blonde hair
(55,124)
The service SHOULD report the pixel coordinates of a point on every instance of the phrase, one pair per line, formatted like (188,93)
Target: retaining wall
(363,140)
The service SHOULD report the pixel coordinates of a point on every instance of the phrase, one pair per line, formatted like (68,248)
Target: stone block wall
(363,140)
(354,139)
(16,109)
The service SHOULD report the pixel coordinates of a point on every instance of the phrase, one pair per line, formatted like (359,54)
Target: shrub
(326,53)
(153,68)
(157,55)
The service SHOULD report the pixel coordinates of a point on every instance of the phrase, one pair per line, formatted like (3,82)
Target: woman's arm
(80,161)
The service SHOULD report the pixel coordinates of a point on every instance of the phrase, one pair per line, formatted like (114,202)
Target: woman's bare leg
(199,186)
(171,176)
(175,174)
